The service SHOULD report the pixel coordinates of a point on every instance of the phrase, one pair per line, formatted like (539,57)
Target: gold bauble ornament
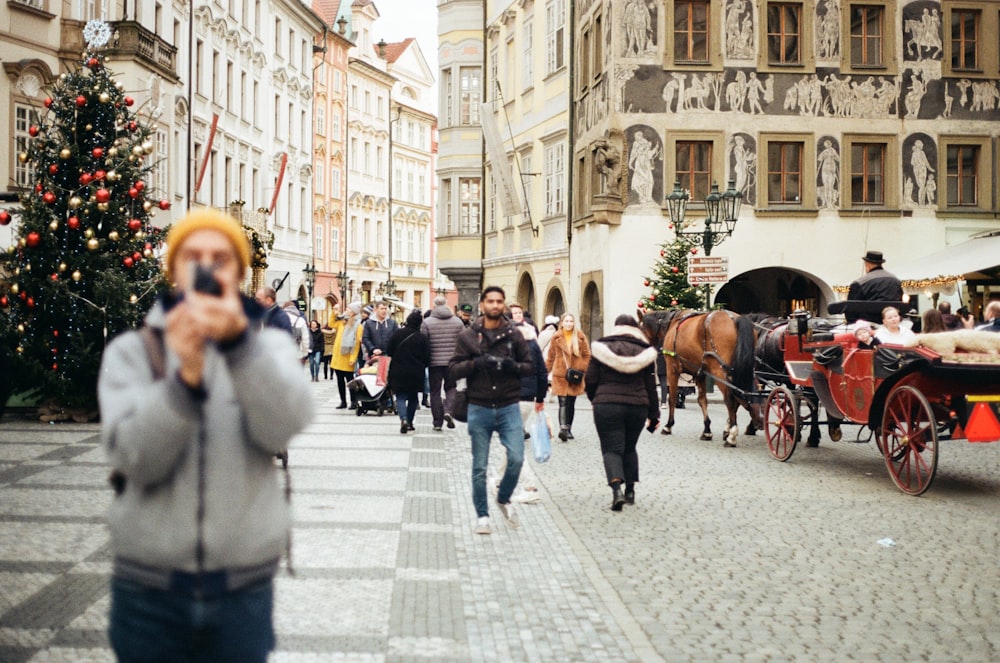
(132,158)
(147,253)
(147,147)
(104,97)
(92,243)
(23,157)
(112,176)
(102,207)
(88,233)
(77,275)
(119,86)
(152,212)
(147,205)
(90,127)
(113,235)
(14,288)
(112,151)
(20,329)
(137,150)
(65,153)
(62,267)
(133,299)
(53,225)
(75,202)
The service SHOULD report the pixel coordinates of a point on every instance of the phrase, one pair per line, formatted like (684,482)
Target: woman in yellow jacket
(345,347)
(568,352)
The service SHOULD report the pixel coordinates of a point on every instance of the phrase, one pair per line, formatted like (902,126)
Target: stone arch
(591,314)
(555,301)
(525,295)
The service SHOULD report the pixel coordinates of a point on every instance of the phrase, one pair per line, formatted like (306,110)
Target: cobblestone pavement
(728,555)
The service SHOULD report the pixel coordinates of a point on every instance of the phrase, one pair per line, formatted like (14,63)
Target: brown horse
(716,343)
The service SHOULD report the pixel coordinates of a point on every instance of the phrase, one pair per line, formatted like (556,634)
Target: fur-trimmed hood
(625,350)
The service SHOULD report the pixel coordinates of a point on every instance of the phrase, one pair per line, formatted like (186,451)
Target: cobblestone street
(728,555)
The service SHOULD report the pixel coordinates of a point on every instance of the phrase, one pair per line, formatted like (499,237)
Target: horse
(717,343)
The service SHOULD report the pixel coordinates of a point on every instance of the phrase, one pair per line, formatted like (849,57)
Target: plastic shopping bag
(540,441)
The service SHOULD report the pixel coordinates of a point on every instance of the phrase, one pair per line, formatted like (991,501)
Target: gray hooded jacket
(442,328)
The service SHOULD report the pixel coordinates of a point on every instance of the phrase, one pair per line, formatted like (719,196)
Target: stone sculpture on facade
(638,28)
(828,30)
(739,31)
(608,164)
(828,163)
(641,158)
(925,35)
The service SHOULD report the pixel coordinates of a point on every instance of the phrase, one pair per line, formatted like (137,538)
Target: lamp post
(343,278)
(721,212)
(309,274)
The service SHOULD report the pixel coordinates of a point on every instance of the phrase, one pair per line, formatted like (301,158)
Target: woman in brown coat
(567,350)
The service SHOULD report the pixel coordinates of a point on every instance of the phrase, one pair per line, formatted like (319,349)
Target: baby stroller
(369,395)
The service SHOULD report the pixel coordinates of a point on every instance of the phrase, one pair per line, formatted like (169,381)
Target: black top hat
(874,257)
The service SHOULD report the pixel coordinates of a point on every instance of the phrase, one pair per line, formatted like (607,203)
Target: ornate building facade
(847,126)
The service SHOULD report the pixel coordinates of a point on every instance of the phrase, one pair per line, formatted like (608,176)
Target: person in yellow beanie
(191,426)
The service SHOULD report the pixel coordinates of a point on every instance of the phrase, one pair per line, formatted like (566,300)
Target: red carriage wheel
(909,439)
(781,423)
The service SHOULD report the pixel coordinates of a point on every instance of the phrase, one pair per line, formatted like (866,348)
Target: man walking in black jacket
(492,356)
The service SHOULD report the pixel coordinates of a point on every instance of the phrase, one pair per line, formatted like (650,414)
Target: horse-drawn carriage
(909,397)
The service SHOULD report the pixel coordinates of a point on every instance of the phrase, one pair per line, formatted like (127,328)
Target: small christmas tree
(668,285)
(83,268)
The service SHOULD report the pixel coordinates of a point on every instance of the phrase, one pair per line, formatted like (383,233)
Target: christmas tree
(668,285)
(83,267)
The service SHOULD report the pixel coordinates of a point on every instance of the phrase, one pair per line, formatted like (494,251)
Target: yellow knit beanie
(207,218)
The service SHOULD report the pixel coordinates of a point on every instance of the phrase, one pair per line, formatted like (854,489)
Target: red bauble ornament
(4,302)
(671,226)
(22,295)
(85,178)
(4,217)
(663,254)
(30,301)
(98,152)
(55,332)
(164,204)
(54,276)
(129,101)
(137,256)
(675,269)
(140,185)
(133,193)
(73,223)
(55,367)
(132,126)
(53,169)
(33,239)
(93,63)
(128,262)
(99,174)
(694,250)
(102,195)
(49,198)
(134,224)
(38,188)
(32,131)
(646,283)
(673,302)
(81,101)
(48,102)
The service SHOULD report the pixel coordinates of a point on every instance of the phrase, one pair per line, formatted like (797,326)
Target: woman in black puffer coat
(410,352)
(621,384)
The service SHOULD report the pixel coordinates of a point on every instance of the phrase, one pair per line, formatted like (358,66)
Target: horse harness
(707,340)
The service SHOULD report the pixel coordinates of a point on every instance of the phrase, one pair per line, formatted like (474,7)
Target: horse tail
(743,356)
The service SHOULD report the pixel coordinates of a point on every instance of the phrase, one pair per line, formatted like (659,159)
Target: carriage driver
(876,284)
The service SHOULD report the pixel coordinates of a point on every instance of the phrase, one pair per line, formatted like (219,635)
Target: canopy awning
(977,257)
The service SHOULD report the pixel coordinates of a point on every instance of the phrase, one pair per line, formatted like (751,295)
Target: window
(555,28)
(449,97)
(199,59)
(334,243)
(868,173)
(585,58)
(449,210)
(335,122)
(422,189)
(160,173)
(379,162)
(336,80)
(231,91)
(471,95)
(526,180)
(965,39)
(963,175)
(354,96)
(319,178)
(598,66)
(411,245)
(353,154)
(527,61)
(277,35)
(784,173)
(368,102)
(321,119)
(24,117)
(353,230)
(422,245)
(411,194)
(510,67)
(318,241)
(368,158)
(335,181)
(784,33)
(494,74)
(253,107)
(867,30)
(554,178)
(469,202)
(691,42)
(694,167)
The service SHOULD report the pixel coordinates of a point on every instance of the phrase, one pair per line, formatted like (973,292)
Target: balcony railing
(129,40)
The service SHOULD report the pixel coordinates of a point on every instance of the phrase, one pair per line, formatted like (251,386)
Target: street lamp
(343,278)
(721,212)
(309,273)
(389,287)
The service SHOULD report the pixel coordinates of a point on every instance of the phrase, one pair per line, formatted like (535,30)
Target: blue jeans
(506,422)
(406,405)
(315,361)
(153,625)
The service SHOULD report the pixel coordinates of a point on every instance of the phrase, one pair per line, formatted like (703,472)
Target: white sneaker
(526,497)
(509,515)
(483,526)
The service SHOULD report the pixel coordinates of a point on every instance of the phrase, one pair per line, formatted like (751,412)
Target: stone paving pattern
(728,555)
